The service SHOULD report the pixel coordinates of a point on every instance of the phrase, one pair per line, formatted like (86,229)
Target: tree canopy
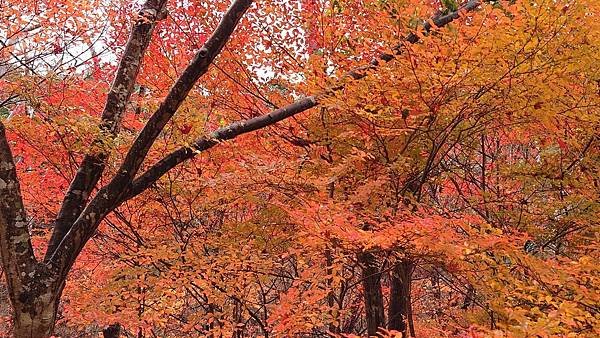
(342,168)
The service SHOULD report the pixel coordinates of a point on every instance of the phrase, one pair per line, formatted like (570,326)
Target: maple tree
(445,183)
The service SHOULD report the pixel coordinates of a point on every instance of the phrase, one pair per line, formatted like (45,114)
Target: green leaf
(4,113)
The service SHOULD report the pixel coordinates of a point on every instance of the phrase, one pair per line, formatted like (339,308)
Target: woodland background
(436,173)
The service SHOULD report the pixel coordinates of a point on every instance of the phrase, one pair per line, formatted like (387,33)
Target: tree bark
(35,318)
(400,309)
(32,289)
(92,166)
(373,296)
(112,331)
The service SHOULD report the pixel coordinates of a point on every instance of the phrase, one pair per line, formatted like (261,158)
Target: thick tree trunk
(112,331)
(33,290)
(400,309)
(35,318)
(373,296)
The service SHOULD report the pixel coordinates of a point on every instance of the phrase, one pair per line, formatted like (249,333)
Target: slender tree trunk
(334,325)
(371,281)
(400,309)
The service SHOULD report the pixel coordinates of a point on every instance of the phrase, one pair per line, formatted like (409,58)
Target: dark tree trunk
(371,281)
(112,331)
(333,327)
(400,309)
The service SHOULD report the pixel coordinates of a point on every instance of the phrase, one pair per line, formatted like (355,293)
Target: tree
(384,202)
(35,287)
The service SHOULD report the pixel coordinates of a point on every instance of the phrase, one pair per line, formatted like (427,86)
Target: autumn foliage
(443,178)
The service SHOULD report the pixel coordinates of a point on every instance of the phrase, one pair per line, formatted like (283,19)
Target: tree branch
(438,21)
(109,196)
(180,155)
(18,260)
(229,132)
(92,166)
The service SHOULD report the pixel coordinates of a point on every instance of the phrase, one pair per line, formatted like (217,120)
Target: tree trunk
(371,281)
(112,331)
(35,318)
(334,324)
(400,309)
